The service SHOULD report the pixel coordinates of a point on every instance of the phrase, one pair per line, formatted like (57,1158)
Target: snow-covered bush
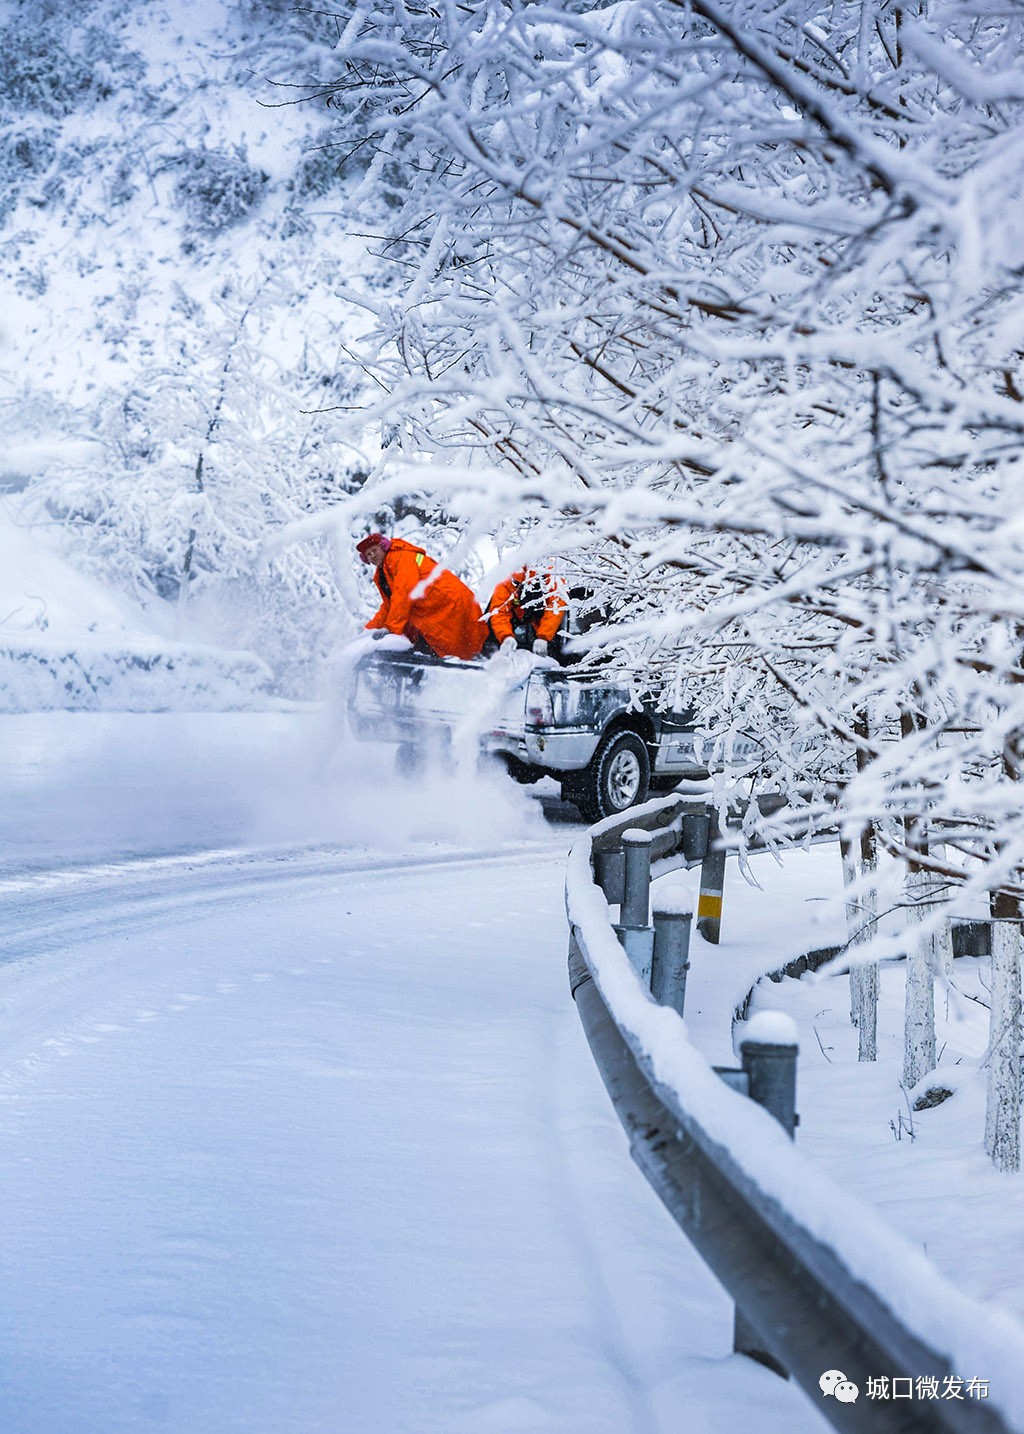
(53,67)
(26,153)
(320,168)
(312,22)
(204,461)
(201,551)
(218,187)
(130,676)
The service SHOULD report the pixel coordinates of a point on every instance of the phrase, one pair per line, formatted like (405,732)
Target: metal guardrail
(812,1270)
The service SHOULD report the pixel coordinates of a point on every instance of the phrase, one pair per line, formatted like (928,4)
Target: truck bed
(544,717)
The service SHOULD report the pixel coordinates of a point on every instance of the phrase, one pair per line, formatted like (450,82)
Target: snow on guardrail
(884,1294)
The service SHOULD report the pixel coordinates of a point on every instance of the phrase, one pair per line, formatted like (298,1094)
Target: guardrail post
(636,898)
(770,1064)
(712,882)
(610,870)
(972,938)
(633,928)
(693,834)
(670,959)
(768,1052)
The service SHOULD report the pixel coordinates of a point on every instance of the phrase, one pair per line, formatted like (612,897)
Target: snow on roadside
(924,1170)
(762,928)
(42,594)
(69,643)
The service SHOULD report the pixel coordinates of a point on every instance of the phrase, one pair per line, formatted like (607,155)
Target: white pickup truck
(585,730)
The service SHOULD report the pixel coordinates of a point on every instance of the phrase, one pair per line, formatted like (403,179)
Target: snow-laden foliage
(50,66)
(726,299)
(722,302)
(218,188)
(39,676)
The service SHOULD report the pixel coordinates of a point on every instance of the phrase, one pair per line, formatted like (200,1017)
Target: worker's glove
(377,633)
(509,645)
(540,648)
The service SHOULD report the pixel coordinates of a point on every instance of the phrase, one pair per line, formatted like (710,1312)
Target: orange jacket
(506,605)
(445,614)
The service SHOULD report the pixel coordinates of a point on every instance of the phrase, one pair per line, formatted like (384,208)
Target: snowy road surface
(313,1144)
(291,1163)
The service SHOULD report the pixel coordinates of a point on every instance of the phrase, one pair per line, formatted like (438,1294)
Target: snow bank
(140,675)
(70,643)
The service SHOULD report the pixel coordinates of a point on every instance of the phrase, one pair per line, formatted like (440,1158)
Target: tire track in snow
(43,913)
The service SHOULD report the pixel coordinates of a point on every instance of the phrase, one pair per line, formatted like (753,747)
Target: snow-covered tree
(169,257)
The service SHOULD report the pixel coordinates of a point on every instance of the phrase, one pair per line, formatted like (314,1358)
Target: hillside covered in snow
(175,385)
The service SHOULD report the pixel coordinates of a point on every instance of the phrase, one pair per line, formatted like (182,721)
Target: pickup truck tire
(520,772)
(618,777)
(409,760)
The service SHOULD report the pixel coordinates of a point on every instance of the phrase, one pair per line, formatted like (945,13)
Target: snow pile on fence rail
(757,1157)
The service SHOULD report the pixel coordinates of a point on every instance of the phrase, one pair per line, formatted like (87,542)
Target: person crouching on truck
(421,600)
(526,610)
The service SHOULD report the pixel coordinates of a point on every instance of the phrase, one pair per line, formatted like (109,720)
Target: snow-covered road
(310,1142)
(300,1131)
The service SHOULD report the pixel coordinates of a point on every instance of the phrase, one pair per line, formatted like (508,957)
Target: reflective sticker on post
(708,904)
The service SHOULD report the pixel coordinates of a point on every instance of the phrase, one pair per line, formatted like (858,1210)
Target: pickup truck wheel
(409,760)
(618,777)
(520,772)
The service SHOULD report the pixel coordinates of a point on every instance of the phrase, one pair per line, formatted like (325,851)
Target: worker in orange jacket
(421,600)
(526,606)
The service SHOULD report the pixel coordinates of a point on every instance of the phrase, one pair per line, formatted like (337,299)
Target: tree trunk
(1002,1104)
(919,1002)
(864,974)
(860,919)
(190,548)
(864,1008)
(1002,1107)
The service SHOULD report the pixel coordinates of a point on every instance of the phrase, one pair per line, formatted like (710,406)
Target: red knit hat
(372,540)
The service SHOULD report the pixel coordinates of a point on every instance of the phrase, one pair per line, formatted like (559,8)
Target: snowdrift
(138,675)
(70,643)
